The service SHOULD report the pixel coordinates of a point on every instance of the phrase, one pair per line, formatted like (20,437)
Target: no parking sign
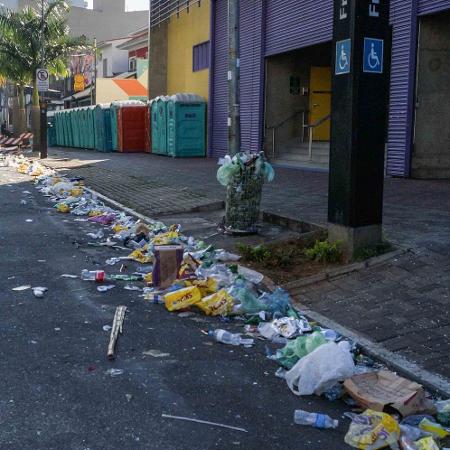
(42,79)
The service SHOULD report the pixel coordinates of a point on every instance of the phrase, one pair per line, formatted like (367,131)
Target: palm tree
(33,38)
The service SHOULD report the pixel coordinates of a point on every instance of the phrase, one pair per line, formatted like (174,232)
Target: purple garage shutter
(404,21)
(218,139)
(252,96)
(292,24)
(432,6)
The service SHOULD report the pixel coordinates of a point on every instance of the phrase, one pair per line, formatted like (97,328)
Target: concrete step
(282,162)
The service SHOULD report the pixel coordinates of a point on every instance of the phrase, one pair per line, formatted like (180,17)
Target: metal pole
(149,41)
(42,102)
(234,115)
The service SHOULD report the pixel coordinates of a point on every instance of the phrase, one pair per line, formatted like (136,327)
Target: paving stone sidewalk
(403,304)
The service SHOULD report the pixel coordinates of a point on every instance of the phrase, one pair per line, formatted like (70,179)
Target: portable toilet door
(114,131)
(91,126)
(161,128)
(186,117)
(103,128)
(154,125)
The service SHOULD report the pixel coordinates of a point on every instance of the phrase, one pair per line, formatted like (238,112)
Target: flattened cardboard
(377,390)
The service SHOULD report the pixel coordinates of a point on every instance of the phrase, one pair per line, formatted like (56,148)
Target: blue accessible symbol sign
(373,55)
(343,52)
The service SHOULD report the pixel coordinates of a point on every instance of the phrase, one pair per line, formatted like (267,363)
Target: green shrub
(259,253)
(374,250)
(325,252)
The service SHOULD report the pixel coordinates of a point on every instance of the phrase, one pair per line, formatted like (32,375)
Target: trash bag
(276,302)
(373,430)
(227,172)
(300,347)
(320,369)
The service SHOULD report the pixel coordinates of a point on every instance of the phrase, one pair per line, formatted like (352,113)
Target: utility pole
(149,41)
(234,114)
(94,76)
(42,101)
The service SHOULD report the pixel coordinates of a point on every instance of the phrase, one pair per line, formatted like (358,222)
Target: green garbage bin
(186,125)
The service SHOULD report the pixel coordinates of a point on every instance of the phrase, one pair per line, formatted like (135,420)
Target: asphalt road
(55,390)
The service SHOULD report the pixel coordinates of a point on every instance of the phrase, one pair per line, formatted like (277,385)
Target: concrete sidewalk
(403,304)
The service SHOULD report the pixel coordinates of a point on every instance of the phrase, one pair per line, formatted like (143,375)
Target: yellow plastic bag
(117,228)
(182,298)
(219,303)
(138,255)
(148,277)
(62,207)
(207,287)
(76,192)
(427,443)
(95,212)
(372,429)
(165,238)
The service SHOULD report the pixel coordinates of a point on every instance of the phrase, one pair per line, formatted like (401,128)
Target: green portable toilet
(90,129)
(186,125)
(56,124)
(74,125)
(103,139)
(159,121)
(83,125)
(66,128)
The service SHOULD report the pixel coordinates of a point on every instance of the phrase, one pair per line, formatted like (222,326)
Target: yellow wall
(184,32)
(107,91)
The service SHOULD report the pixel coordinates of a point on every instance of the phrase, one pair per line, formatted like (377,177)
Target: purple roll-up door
(404,35)
(218,141)
(292,24)
(432,6)
(251,56)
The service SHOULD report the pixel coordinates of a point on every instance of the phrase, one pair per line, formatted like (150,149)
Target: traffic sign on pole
(42,81)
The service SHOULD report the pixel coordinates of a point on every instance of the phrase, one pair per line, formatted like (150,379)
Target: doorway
(297,107)
(431,151)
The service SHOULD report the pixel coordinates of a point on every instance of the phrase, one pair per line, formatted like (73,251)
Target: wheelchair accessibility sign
(373,55)
(343,52)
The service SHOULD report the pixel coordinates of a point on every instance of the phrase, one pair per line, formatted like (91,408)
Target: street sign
(373,55)
(78,82)
(343,55)
(42,81)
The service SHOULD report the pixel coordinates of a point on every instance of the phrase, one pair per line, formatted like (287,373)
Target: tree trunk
(22,119)
(35,118)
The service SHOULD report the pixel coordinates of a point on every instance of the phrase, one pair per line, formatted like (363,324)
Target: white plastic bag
(320,370)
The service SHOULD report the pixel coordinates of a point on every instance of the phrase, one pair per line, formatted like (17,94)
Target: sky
(130,5)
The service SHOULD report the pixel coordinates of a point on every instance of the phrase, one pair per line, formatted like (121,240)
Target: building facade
(285,57)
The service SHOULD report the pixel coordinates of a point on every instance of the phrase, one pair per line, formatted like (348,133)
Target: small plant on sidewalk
(325,252)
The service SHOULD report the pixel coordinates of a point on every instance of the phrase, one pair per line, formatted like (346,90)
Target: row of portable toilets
(170,125)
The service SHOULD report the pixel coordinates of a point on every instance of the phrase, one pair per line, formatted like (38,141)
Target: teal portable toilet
(103,138)
(160,146)
(83,125)
(186,125)
(90,116)
(51,130)
(154,125)
(57,140)
(75,131)
(66,129)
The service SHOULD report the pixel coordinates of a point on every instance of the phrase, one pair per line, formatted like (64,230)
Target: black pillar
(361,60)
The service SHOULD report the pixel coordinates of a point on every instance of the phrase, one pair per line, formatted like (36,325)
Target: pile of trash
(183,273)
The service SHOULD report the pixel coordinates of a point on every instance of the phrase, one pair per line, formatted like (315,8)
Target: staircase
(296,154)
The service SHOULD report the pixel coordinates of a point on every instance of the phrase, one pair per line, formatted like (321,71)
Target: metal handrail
(311,127)
(274,128)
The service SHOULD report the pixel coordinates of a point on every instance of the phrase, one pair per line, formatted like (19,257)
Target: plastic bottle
(229,338)
(93,275)
(120,277)
(315,420)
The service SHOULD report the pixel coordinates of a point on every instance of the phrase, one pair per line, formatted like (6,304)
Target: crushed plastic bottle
(315,420)
(93,275)
(230,338)
(118,277)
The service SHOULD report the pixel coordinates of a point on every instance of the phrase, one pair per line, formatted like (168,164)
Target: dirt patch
(283,262)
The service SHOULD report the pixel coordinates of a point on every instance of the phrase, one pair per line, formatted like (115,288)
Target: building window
(105,68)
(200,56)
(132,64)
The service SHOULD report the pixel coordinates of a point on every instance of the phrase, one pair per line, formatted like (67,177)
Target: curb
(329,274)
(433,382)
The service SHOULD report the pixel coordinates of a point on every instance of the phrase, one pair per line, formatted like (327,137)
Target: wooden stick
(116,329)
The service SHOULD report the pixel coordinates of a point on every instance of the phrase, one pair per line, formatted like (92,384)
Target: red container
(132,128)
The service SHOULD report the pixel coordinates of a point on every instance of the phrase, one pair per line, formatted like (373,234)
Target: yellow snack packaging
(207,287)
(117,228)
(436,429)
(138,255)
(182,298)
(148,278)
(219,303)
(76,192)
(165,238)
(426,443)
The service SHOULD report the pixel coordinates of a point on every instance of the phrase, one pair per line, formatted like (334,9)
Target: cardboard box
(166,265)
(378,390)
